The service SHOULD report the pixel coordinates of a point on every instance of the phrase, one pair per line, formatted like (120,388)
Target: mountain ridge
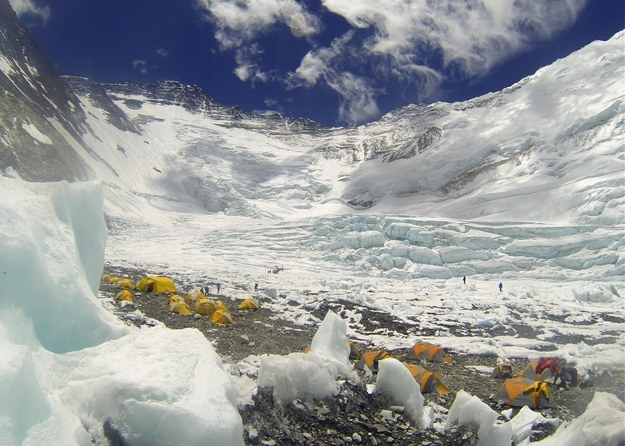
(549,137)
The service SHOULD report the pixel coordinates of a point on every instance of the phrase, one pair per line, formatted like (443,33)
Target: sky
(338,62)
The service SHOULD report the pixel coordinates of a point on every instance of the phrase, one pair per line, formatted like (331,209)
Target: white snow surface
(524,187)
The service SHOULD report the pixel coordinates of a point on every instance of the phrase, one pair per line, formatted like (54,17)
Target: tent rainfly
(125,283)
(429,352)
(428,381)
(208,306)
(519,392)
(250,304)
(221,317)
(157,284)
(125,295)
(195,296)
(180,307)
(530,372)
(371,359)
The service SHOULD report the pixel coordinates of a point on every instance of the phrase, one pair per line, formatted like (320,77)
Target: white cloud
(471,35)
(357,94)
(140,65)
(318,64)
(162,52)
(241,21)
(358,102)
(247,66)
(413,44)
(22,7)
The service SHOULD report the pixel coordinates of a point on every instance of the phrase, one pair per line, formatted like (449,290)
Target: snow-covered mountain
(523,187)
(551,144)
(548,149)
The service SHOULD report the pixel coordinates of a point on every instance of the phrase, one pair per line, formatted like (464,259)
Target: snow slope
(523,186)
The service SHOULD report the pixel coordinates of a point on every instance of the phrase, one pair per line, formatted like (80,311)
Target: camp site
(243,328)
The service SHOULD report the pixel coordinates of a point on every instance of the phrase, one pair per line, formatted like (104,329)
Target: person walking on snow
(500,287)
(218,287)
(464,279)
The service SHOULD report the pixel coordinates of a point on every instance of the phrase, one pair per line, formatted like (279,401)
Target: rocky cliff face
(41,121)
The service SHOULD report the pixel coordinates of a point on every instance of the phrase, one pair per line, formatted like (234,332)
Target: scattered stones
(353,416)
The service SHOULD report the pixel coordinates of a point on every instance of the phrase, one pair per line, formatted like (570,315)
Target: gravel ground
(354,415)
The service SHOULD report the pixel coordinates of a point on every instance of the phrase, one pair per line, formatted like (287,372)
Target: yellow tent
(519,392)
(206,306)
(174,298)
(157,284)
(428,381)
(112,279)
(429,352)
(180,308)
(194,296)
(250,304)
(125,295)
(221,317)
(371,360)
(125,283)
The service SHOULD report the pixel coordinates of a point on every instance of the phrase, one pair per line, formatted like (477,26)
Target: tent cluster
(428,381)
(531,386)
(194,302)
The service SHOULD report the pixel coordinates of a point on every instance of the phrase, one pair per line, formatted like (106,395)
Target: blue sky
(337,62)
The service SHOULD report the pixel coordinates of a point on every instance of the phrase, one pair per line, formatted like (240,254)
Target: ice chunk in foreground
(68,367)
(156,386)
(395,381)
(331,342)
(470,410)
(524,421)
(297,375)
(52,240)
(602,424)
(311,375)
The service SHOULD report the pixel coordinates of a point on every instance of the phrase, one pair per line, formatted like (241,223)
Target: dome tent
(156,284)
(428,381)
(371,359)
(429,352)
(519,392)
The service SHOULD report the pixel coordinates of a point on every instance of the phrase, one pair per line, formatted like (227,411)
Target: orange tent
(371,360)
(429,352)
(428,381)
(519,392)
